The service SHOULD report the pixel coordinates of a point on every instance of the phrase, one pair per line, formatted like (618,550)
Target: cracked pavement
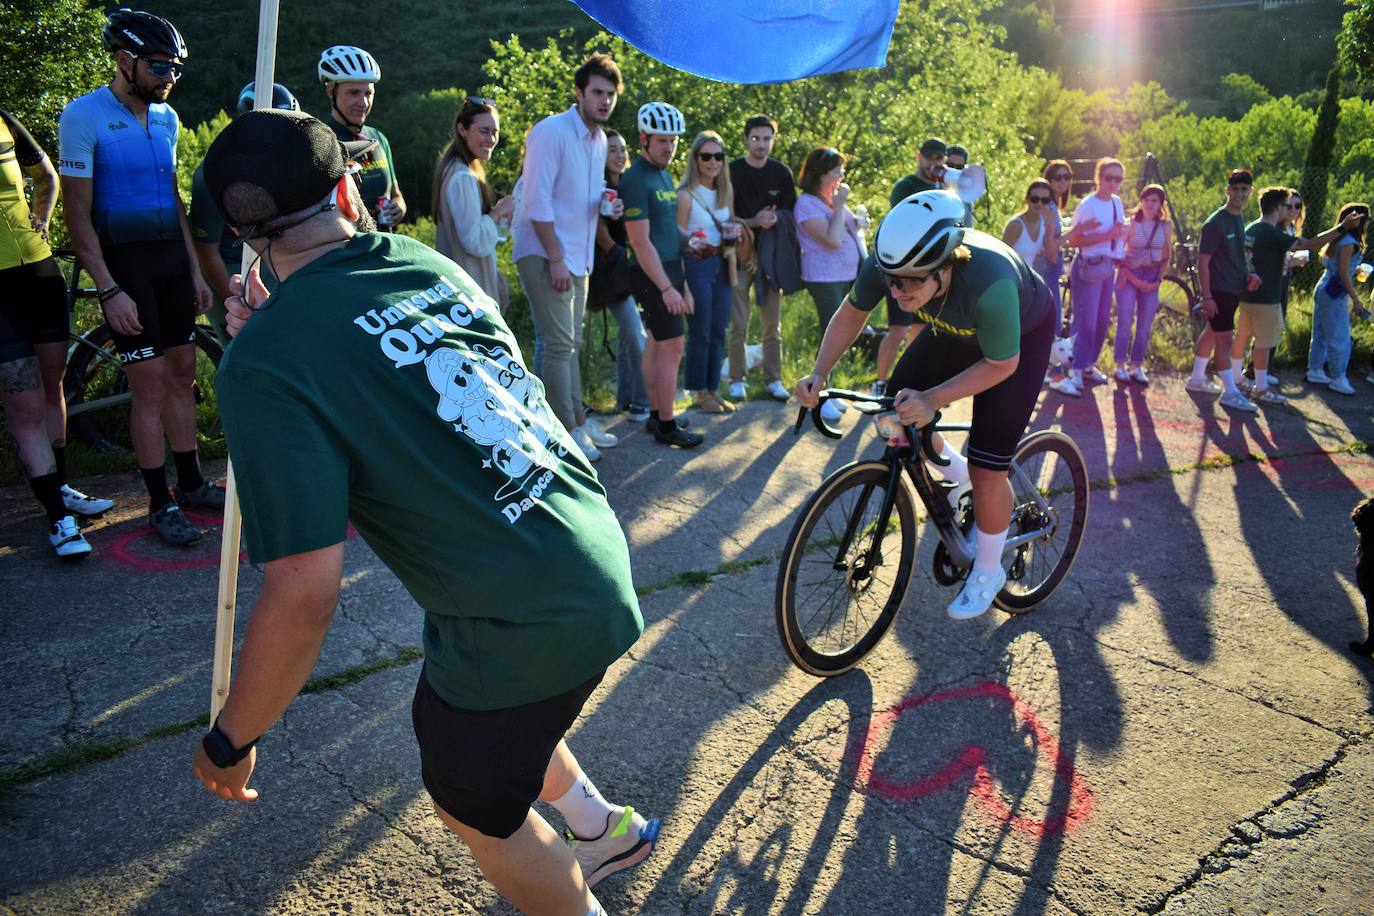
(1180,729)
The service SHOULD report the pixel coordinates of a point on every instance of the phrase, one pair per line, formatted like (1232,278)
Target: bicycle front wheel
(1177,326)
(1049,465)
(837,592)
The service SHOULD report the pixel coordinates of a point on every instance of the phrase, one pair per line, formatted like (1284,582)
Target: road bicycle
(849,558)
(94,384)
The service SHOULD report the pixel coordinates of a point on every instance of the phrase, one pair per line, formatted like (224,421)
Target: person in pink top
(827,232)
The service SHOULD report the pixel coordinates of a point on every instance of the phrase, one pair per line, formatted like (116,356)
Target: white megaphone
(970,182)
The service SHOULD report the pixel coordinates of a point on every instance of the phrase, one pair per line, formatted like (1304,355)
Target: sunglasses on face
(1062,176)
(161,68)
(1296,205)
(707,157)
(902,284)
(1113,179)
(1037,199)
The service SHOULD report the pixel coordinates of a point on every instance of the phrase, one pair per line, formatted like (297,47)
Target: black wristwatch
(221,750)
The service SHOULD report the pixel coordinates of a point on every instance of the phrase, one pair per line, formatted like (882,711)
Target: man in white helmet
(350,76)
(985,324)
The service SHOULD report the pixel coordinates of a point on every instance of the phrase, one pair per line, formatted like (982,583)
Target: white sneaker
(1121,374)
(737,391)
(1318,377)
(637,414)
(1237,401)
(1139,377)
(584,442)
(1370,378)
(1202,386)
(1340,385)
(977,594)
(831,412)
(776,391)
(67,540)
(1273,380)
(1067,386)
(600,438)
(78,503)
(1094,375)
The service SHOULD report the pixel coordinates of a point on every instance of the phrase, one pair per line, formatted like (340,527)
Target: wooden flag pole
(229,546)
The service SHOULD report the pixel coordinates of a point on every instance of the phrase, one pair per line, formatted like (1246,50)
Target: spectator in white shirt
(555,236)
(468,219)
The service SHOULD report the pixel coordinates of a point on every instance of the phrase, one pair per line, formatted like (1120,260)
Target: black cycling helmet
(281,98)
(142,33)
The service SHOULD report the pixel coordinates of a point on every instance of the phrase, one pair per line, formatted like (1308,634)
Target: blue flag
(753,41)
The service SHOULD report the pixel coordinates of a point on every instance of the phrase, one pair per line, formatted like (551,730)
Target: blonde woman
(704,218)
(467,216)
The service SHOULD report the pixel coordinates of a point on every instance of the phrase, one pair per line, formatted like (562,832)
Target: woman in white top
(703,216)
(1030,233)
(468,218)
(1148,243)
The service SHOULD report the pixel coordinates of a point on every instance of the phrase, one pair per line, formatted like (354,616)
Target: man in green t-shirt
(350,76)
(1260,316)
(378,386)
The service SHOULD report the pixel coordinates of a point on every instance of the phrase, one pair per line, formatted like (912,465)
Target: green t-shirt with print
(377,170)
(992,300)
(379,386)
(648,193)
(1267,245)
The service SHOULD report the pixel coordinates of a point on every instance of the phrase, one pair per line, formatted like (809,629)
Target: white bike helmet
(660,118)
(919,233)
(345,63)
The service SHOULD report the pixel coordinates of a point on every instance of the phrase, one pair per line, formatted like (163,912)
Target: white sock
(1228,379)
(586,812)
(1200,368)
(988,559)
(1261,379)
(1078,376)
(596,909)
(1237,367)
(957,469)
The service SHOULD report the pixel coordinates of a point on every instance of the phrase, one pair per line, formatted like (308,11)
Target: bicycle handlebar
(921,434)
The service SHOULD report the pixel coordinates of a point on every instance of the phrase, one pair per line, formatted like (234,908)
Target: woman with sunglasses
(703,216)
(1335,300)
(1137,282)
(468,219)
(986,321)
(1060,177)
(1093,274)
(1029,232)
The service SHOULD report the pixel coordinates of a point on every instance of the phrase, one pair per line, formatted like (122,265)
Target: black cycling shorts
(485,767)
(1225,318)
(33,309)
(898,317)
(1001,413)
(157,276)
(662,324)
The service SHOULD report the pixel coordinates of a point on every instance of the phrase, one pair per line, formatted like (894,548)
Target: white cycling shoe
(976,596)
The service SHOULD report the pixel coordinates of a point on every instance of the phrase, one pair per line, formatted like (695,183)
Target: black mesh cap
(293,157)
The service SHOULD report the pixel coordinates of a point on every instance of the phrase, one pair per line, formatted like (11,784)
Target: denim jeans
(1092,310)
(1330,334)
(712,299)
(1132,304)
(629,380)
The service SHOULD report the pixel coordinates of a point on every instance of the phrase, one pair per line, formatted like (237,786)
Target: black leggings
(1000,414)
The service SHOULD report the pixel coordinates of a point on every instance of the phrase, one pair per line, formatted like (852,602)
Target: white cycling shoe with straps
(976,596)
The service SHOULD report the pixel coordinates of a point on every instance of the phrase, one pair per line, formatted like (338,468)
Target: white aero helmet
(345,63)
(919,233)
(660,118)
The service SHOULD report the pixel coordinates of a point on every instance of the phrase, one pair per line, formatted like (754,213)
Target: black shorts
(485,767)
(898,317)
(1225,318)
(662,324)
(1001,413)
(33,309)
(157,276)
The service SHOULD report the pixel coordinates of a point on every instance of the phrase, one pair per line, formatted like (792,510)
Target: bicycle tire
(1177,323)
(94,372)
(1053,464)
(812,589)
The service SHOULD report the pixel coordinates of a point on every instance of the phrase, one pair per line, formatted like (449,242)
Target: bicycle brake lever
(927,447)
(801,418)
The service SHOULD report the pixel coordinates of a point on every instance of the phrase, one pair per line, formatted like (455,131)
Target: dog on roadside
(1363,517)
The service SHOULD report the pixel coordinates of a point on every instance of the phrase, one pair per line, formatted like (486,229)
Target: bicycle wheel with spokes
(837,595)
(1049,465)
(1177,326)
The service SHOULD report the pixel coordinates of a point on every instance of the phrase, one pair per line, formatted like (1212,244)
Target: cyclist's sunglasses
(161,68)
(707,157)
(901,284)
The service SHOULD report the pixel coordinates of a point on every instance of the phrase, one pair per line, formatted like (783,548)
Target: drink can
(1252,282)
(1364,270)
(1300,257)
(381,205)
(608,197)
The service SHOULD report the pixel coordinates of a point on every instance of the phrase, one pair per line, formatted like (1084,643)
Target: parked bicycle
(95,386)
(1179,320)
(849,558)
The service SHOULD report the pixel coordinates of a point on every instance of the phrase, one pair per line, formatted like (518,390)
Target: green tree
(1316,166)
(1356,39)
(1239,93)
(53,53)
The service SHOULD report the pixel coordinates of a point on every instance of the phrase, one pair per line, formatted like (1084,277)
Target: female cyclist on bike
(986,324)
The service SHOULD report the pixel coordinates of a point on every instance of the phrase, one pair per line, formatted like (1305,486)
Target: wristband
(108,292)
(665,289)
(221,750)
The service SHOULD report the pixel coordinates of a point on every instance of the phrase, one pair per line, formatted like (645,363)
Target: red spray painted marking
(124,549)
(970,760)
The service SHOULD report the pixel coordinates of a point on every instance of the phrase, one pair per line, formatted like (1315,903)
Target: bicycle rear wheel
(834,600)
(1050,464)
(1177,326)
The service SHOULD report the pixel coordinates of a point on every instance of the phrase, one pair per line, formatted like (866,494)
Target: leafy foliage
(52,53)
(1322,148)
(1356,40)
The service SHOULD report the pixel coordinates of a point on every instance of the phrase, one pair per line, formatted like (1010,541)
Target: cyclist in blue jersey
(129,229)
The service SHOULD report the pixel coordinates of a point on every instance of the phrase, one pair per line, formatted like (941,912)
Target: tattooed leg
(21,393)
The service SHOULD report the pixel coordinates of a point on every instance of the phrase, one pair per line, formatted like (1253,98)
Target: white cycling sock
(1237,367)
(988,559)
(1200,368)
(957,469)
(596,909)
(1228,379)
(584,809)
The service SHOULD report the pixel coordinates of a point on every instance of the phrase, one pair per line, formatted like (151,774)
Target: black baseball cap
(292,156)
(933,146)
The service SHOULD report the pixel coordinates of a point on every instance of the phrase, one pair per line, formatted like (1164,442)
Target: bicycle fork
(862,568)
